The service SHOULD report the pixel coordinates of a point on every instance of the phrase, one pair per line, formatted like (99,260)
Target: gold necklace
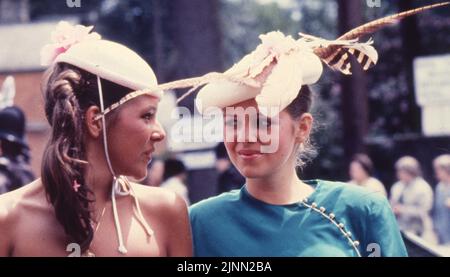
(88,252)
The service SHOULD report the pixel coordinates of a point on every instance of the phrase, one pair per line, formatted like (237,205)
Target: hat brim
(222,94)
(113,62)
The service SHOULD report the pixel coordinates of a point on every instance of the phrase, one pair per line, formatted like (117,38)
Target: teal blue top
(337,219)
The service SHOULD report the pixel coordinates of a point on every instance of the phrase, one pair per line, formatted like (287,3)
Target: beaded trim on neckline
(332,218)
(306,203)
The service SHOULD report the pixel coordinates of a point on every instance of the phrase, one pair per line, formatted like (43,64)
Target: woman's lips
(148,154)
(249,154)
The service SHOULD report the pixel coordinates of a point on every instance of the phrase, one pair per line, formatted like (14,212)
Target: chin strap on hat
(119,188)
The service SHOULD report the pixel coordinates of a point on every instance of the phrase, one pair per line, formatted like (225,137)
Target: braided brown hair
(69,92)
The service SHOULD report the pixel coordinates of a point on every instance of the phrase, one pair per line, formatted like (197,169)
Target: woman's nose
(158,134)
(247,134)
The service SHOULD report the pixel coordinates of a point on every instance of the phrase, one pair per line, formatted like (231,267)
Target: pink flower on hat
(277,43)
(274,45)
(64,37)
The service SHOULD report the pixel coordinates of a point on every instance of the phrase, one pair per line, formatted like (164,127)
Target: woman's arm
(383,237)
(179,237)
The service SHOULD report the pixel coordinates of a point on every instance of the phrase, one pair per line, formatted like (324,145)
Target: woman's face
(132,136)
(441,174)
(259,146)
(404,176)
(357,172)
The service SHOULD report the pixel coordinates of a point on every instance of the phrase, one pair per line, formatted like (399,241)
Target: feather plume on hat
(276,70)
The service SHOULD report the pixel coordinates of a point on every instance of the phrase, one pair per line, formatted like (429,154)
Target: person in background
(155,173)
(15,170)
(229,178)
(441,215)
(412,199)
(361,171)
(175,177)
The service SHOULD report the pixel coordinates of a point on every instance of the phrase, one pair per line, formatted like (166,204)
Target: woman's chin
(141,177)
(251,173)
(138,175)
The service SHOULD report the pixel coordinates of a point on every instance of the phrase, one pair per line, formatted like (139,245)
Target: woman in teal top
(336,220)
(265,101)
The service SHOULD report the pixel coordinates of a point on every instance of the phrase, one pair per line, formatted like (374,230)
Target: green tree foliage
(154,29)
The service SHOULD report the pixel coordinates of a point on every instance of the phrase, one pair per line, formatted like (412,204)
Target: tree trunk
(354,89)
(195,33)
(411,49)
(158,40)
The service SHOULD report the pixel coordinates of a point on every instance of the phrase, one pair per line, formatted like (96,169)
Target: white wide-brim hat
(77,45)
(224,93)
(278,64)
(113,62)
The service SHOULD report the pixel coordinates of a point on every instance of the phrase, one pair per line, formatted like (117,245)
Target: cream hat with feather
(274,73)
(280,64)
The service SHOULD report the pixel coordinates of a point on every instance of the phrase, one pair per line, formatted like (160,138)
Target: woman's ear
(304,126)
(93,125)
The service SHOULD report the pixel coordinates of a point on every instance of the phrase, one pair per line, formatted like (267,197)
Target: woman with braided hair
(83,205)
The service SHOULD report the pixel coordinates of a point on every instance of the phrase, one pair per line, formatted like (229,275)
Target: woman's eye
(231,123)
(264,122)
(149,116)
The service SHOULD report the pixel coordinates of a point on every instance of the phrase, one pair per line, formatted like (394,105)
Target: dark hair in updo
(299,106)
(68,92)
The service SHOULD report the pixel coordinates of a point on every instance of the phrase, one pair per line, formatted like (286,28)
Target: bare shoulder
(159,199)
(12,203)
(9,205)
(8,210)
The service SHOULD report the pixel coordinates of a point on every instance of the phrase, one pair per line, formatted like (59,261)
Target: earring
(301,147)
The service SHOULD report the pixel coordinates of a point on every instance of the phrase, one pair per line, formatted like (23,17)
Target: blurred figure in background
(361,171)
(412,199)
(229,178)
(175,177)
(15,170)
(155,174)
(441,214)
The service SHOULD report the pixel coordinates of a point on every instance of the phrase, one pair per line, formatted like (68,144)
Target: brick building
(19,57)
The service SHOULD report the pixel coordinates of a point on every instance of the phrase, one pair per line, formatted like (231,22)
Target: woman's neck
(100,184)
(363,181)
(98,176)
(412,180)
(280,188)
